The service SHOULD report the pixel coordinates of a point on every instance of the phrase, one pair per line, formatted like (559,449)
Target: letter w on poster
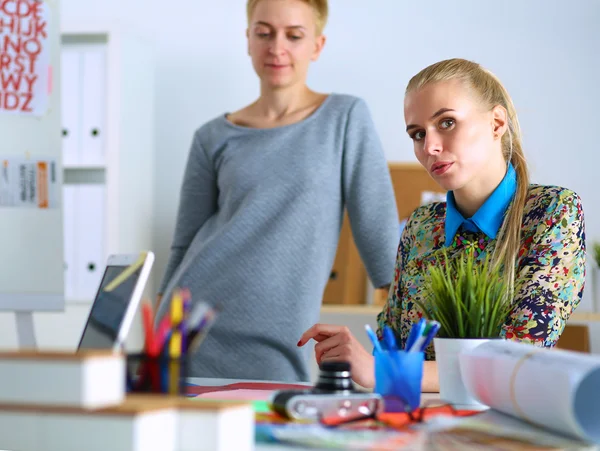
(28,183)
(25,71)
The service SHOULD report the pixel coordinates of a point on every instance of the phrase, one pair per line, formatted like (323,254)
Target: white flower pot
(595,287)
(452,388)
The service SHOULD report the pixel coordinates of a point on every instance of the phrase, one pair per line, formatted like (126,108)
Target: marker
(435,327)
(390,338)
(373,338)
(196,315)
(149,337)
(421,340)
(161,335)
(175,341)
(415,332)
(197,335)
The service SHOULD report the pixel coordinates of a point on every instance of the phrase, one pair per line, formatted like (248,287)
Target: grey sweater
(257,230)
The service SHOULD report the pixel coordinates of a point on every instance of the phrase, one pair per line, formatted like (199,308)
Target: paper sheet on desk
(317,436)
(259,393)
(495,430)
(200,389)
(554,389)
(239,395)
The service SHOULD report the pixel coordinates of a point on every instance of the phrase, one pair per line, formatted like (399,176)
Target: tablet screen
(108,310)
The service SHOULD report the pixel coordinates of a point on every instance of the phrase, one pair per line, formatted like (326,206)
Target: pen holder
(398,377)
(156,374)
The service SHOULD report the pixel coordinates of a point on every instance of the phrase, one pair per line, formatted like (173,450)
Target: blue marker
(373,338)
(415,332)
(390,338)
(422,341)
(434,330)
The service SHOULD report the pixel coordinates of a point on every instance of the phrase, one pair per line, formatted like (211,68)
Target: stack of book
(55,401)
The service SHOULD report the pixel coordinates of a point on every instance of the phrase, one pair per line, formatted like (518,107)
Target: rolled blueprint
(551,388)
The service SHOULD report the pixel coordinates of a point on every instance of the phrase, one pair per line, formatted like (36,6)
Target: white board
(31,238)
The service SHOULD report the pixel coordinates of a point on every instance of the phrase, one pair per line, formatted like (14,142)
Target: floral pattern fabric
(549,272)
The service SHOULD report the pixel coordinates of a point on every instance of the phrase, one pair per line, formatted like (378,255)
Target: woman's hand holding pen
(336,343)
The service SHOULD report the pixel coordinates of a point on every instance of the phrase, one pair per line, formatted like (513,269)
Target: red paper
(199,389)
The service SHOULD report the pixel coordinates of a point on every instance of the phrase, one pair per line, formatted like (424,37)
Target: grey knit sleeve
(197,203)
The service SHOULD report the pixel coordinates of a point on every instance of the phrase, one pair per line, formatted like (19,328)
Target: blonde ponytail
(491,92)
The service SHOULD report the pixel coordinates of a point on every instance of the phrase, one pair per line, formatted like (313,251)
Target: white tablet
(116,301)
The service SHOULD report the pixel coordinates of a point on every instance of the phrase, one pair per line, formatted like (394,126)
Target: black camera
(333,397)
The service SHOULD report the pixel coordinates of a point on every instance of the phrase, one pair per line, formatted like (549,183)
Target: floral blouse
(549,275)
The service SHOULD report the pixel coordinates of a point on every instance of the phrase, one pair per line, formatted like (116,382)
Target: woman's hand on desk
(336,343)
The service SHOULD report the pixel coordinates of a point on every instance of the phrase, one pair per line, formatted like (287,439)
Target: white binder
(70,241)
(70,82)
(93,98)
(90,228)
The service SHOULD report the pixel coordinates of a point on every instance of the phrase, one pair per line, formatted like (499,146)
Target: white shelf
(120,113)
(84,167)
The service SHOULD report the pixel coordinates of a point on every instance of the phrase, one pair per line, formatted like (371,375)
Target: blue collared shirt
(490,215)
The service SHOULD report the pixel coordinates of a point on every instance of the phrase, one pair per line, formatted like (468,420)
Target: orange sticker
(42,185)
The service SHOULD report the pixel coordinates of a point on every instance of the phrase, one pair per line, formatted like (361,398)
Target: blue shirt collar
(490,215)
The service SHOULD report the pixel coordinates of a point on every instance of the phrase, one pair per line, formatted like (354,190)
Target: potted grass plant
(471,301)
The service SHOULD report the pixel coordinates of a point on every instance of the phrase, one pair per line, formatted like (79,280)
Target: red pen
(146,368)
(147,318)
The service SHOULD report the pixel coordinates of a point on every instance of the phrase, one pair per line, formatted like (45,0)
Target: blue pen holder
(398,378)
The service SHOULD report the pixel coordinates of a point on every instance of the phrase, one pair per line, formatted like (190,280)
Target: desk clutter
(527,398)
(535,398)
(55,401)
(98,400)
(162,367)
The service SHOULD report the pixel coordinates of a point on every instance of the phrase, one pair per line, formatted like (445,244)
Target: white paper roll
(555,389)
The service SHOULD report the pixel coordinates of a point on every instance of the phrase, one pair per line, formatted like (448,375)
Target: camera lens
(334,377)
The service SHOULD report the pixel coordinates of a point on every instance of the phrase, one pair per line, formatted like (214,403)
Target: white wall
(545,51)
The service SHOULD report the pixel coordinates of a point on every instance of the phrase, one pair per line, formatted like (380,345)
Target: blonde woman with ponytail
(466,134)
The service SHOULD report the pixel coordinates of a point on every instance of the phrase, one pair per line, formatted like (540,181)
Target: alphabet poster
(25,78)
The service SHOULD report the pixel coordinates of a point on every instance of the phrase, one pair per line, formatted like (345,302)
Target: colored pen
(175,341)
(373,338)
(196,315)
(435,327)
(415,332)
(390,338)
(147,319)
(187,304)
(392,359)
(161,334)
(422,339)
(197,336)
(146,372)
